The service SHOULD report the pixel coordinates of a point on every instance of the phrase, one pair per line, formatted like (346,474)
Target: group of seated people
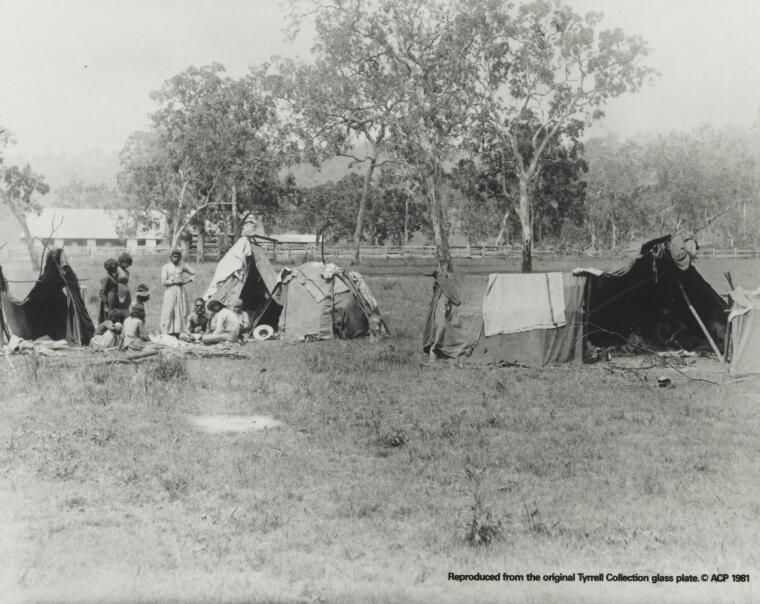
(223,325)
(219,324)
(670,333)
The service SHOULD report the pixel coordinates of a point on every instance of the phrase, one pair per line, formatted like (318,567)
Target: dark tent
(54,307)
(662,276)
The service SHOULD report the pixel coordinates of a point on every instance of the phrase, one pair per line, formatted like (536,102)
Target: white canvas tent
(744,324)
(244,273)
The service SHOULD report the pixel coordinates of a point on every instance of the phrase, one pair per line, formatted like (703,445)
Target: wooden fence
(293,253)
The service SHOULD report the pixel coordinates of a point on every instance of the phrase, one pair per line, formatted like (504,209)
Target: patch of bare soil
(215,424)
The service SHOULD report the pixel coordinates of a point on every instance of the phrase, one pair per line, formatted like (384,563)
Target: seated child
(106,335)
(245,320)
(135,334)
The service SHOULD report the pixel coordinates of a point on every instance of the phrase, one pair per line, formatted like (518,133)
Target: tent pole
(619,295)
(259,316)
(701,324)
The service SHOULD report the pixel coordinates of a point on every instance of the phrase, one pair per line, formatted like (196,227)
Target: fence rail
(292,252)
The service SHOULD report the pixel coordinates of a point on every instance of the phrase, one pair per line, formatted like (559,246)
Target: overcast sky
(75,75)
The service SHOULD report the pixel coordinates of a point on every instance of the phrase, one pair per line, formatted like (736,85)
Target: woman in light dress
(175,305)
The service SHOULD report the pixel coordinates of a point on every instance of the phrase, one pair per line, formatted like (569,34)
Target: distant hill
(98,167)
(91,167)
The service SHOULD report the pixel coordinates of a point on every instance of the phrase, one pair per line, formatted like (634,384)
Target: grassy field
(384,478)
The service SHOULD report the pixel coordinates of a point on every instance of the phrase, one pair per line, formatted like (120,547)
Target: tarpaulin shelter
(524,319)
(323,301)
(744,322)
(54,307)
(538,319)
(245,273)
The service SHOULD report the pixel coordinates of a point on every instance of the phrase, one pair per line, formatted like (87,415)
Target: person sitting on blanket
(635,342)
(106,335)
(245,320)
(669,330)
(224,325)
(135,334)
(197,322)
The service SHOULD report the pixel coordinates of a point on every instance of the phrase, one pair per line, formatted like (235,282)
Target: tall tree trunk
(504,230)
(614,234)
(178,241)
(439,224)
(236,227)
(362,210)
(28,241)
(406,221)
(200,253)
(523,213)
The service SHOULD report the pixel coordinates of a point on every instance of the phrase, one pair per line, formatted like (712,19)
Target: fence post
(734,253)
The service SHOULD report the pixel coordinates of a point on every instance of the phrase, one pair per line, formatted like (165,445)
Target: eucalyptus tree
(19,188)
(344,103)
(542,73)
(418,52)
(213,144)
(618,183)
(18,191)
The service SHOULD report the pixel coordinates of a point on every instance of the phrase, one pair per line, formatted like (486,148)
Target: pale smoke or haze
(75,75)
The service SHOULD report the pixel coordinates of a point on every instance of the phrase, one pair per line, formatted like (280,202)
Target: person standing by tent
(107,285)
(174,309)
(445,295)
(142,295)
(118,297)
(125,262)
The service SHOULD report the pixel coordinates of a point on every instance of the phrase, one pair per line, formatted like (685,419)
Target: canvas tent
(744,322)
(53,308)
(245,273)
(323,301)
(542,318)
(310,302)
(491,323)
